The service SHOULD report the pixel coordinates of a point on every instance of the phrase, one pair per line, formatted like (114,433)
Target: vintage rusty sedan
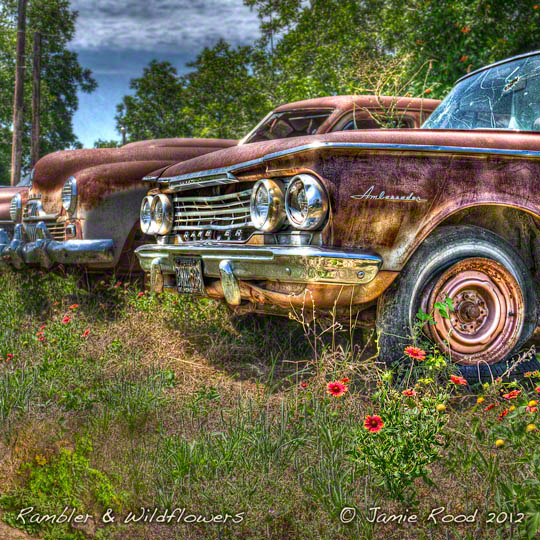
(83,206)
(383,223)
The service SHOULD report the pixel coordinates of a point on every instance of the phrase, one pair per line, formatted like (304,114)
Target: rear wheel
(492,293)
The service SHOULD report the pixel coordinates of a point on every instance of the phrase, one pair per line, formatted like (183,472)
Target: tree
(459,36)
(62,77)
(219,98)
(154,109)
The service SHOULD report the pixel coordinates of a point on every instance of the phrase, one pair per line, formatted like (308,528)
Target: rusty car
(12,199)
(379,223)
(83,206)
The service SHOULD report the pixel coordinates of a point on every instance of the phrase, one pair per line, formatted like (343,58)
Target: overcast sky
(117,39)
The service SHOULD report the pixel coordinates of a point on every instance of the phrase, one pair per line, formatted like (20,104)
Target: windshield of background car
(506,96)
(288,124)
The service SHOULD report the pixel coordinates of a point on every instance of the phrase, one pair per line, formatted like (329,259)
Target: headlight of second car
(162,214)
(156,215)
(267,206)
(306,202)
(146,215)
(69,195)
(15,208)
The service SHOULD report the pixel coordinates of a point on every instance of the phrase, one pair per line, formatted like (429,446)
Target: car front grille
(221,217)
(56,229)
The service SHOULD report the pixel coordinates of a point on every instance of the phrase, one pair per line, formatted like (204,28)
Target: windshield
(506,96)
(288,124)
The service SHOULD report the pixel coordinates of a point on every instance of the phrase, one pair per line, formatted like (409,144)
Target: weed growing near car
(132,400)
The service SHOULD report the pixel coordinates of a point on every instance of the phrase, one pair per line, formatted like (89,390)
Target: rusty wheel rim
(488,311)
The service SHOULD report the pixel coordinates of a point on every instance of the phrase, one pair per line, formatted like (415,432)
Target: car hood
(100,171)
(240,157)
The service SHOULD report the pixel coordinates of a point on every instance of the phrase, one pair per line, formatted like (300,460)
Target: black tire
(398,306)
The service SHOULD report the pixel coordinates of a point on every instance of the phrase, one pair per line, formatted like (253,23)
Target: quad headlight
(69,195)
(306,202)
(157,215)
(15,208)
(267,206)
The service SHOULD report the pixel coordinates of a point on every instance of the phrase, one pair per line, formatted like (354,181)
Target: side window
(373,123)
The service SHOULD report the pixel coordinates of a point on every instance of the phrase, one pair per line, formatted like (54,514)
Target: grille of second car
(216,217)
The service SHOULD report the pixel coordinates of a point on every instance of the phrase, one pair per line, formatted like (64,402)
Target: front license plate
(189,276)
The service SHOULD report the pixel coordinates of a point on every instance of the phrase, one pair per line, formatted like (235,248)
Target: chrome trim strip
(316,145)
(295,264)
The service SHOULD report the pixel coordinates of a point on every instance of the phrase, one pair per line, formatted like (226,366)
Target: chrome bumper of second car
(231,263)
(47,252)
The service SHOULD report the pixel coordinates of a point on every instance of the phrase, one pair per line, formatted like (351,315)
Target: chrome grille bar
(221,212)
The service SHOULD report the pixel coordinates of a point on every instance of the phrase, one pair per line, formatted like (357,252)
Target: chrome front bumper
(231,263)
(47,252)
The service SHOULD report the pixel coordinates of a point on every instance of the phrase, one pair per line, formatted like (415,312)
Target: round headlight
(69,195)
(15,208)
(266,206)
(146,215)
(162,214)
(306,202)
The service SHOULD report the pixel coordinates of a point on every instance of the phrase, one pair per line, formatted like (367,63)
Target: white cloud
(166,26)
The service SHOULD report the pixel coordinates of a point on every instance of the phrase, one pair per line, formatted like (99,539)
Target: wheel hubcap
(488,311)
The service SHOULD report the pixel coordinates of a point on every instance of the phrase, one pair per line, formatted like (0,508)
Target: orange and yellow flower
(458,380)
(415,353)
(373,423)
(336,388)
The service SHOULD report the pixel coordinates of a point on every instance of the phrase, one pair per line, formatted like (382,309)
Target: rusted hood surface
(103,170)
(6,194)
(429,139)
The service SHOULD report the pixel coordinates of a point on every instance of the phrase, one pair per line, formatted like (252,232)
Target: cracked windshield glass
(502,97)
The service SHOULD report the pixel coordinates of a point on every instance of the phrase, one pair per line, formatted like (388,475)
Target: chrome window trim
(227,172)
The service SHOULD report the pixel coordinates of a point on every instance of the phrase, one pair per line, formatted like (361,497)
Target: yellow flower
(530,427)
(533,403)
(441,407)
(499,443)
(512,408)
(40,460)
(53,340)
(480,400)
(25,343)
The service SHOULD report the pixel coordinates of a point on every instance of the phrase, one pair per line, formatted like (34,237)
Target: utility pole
(36,99)
(18,100)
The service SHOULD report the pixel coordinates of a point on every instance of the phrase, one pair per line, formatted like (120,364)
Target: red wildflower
(415,353)
(9,356)
(537,389)
(464,58)
(535,6)
(409,392)
(427,91)
(345,380)
(489,407)
(86,333)
(42,338)
(458,380)
(66,319)
(41,333)
(336,388)
(512,395)
(502,415)
(531,409)
(140,294)
(117,285)
(373,423)
(74,306)
(465,29)
(42,327)
(56,304)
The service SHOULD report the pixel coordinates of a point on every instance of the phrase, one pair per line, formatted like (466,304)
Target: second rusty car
(381,223)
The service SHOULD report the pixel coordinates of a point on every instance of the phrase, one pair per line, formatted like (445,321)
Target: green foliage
(407,444)
(64,479)
(62,77)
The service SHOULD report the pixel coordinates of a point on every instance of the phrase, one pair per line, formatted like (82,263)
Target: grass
(113,399)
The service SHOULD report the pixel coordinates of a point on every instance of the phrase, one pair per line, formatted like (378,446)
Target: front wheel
(493,297)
